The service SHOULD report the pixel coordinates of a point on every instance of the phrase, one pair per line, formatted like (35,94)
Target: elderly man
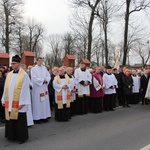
(96,90)
(69,72)
(16,99)
(63,87)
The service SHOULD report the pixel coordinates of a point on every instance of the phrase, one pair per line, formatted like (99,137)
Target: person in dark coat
(3,75)
(120,90)
(127,83)
(51,90)
(2,109)
(143,86)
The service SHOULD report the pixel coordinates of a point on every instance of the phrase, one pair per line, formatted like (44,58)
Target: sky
(53,14)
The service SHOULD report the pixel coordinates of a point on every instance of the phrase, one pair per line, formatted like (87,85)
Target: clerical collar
(62,76)
(108,73)
(83,69)
(70,76)
(15,71)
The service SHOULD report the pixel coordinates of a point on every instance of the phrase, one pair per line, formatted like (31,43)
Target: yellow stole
(59,94)
(17,90)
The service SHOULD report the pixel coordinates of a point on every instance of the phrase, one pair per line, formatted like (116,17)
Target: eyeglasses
(13,63)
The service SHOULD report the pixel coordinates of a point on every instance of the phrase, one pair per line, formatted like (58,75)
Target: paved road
(123,129)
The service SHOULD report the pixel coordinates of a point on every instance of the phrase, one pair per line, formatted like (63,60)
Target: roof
(86,61)
(28,53)
(70,57)
(4,55)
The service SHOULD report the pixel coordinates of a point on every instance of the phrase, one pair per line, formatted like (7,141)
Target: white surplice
(82,76)
(29,112)
(136,84)
(40,107)
(109,80)
(58,88)
(25,98)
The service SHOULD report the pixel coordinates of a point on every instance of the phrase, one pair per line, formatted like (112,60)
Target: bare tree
(137,6)
(19,38)
(10,13)
(105,12)
(79,26)
(54,43)
(35,33)
(143,50)
(68,43)
(91,5)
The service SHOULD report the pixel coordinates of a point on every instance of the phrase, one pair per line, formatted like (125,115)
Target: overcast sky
(52,13)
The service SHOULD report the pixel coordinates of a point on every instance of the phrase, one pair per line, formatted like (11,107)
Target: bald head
(61,71)
(69,70)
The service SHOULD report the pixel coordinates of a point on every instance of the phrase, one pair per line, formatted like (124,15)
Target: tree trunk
(90,35)
(125,46)
(90,29)
(106,45)
(6,30)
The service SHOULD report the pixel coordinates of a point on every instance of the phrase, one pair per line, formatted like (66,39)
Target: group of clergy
(34,92)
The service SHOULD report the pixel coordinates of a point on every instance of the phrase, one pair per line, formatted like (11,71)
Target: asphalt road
(123,129)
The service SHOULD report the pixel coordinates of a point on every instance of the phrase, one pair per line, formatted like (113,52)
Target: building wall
(4,62)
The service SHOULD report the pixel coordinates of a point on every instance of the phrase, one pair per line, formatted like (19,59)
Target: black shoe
(2,120)
(38,121)
(21,141)
(44,120)
(112,109)
(106,109)
(128,106)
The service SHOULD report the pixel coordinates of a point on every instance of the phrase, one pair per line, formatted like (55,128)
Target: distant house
(27,58)
(69,61)
(86,61)
(4,59)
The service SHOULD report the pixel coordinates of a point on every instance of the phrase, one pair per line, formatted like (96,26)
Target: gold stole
(59,94)
(17,90)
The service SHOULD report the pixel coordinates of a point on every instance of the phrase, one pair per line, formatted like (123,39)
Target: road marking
(146,147)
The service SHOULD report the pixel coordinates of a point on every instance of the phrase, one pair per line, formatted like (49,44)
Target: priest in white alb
(40,78)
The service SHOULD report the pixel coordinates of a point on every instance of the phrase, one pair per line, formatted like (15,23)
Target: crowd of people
(29,94)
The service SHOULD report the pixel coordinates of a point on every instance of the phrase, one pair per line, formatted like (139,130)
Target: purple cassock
(93,92)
